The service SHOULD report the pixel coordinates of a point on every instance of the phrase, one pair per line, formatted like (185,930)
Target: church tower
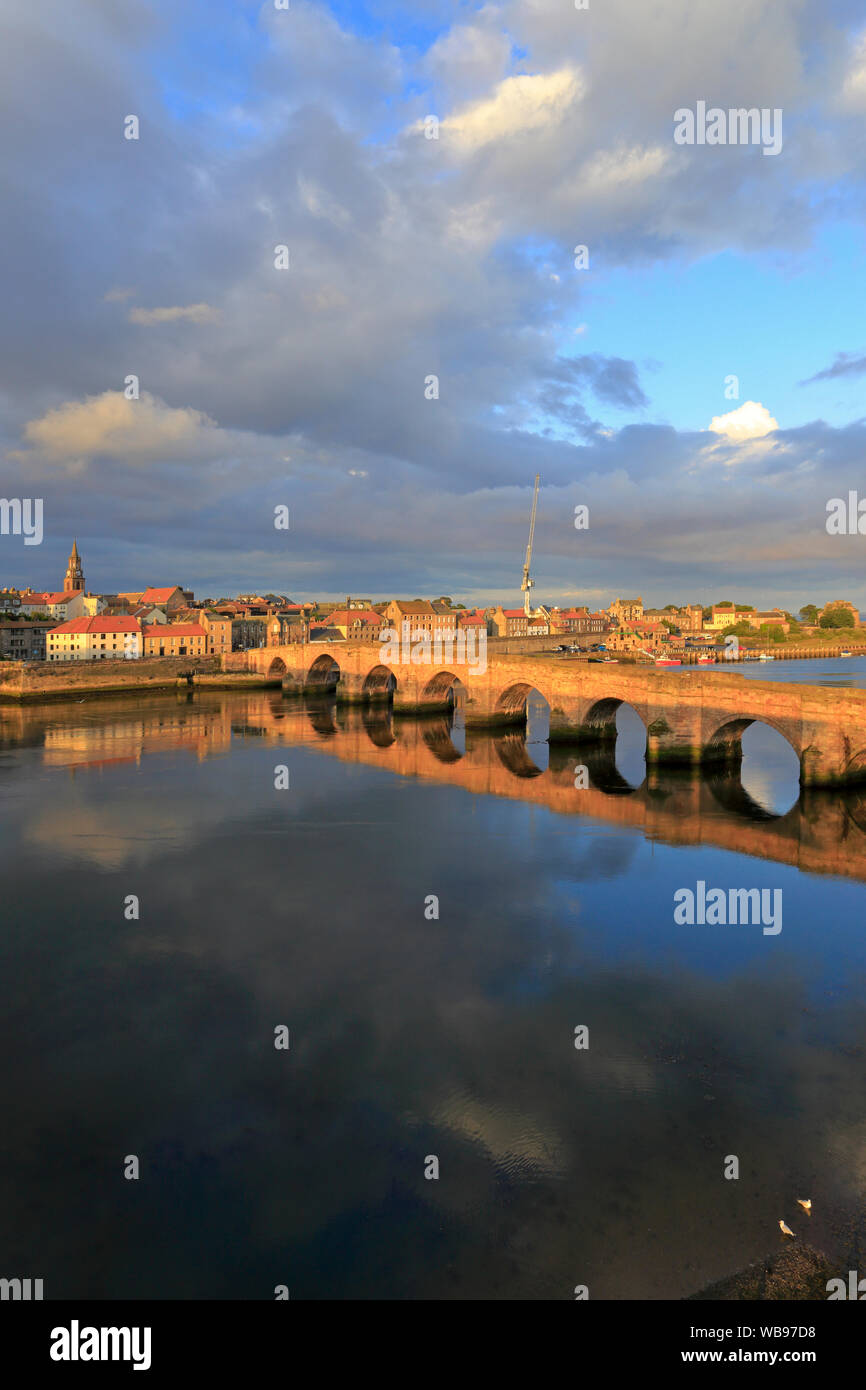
(74,573)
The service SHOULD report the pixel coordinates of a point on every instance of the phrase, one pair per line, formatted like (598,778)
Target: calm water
(413,1037)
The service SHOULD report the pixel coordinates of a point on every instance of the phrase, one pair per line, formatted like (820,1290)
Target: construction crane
(527,582)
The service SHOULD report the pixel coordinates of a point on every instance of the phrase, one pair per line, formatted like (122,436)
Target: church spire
(74,577)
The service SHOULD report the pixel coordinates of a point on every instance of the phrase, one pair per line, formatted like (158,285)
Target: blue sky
(452,257)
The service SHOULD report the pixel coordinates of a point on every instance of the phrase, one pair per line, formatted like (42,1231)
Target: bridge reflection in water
(823,832)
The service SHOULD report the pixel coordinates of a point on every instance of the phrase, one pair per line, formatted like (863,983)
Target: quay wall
(57,680)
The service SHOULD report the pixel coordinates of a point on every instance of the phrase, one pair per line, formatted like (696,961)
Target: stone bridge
(694,716)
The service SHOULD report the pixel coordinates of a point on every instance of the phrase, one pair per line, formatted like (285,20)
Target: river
(417,1031)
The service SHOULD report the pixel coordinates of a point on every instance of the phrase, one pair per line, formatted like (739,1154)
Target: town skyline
(599,599)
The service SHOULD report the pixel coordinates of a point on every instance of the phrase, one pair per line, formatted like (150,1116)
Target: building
(219,631)
(60,606)
(472,621)
(22,641)
(773,617)
(95,639)
(728,614)
(575,622)
(249,631)
(424,618)
(10,600)
(358,625)
(513,622)
(689,618)
(168,599)
(74,577)
(626,610)
(147,613)
(174,639)
(643,635)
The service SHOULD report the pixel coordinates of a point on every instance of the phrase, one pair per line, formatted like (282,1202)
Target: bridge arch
(445,688)
(323,674)
(380,683)
(514,698)
(601,715)
(277,667)
(725,743)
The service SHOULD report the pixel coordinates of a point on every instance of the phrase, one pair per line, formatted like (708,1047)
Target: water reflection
(409,1036)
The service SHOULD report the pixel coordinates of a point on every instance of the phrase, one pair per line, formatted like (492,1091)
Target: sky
(694,377)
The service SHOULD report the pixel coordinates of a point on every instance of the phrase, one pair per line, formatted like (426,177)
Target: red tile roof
(158,595)
(97,625)
(354,614)
(62,597)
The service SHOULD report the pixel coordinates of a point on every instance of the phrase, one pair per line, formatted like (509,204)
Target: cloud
(112,425)
(189,313)
(519,105)
(750,421)
(844,364)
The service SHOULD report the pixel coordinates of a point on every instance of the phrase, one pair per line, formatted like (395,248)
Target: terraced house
(95,639)
(174,639)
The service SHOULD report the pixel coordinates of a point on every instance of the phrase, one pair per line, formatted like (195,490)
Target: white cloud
(750,421)
(519,105)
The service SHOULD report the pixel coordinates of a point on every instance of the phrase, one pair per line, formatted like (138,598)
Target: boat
(668,661)
(706,661)
(844,653)
(764,656)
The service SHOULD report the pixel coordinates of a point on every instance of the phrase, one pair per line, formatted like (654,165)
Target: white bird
(805,1203)
(786,1230)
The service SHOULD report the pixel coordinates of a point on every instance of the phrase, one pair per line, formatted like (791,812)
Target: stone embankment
(59,680)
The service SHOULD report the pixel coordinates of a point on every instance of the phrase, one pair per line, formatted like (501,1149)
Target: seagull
(786,1230)
(805,1203)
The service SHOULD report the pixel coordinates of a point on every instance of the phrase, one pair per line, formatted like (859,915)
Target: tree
(738,630)
(809,613)
(837,617)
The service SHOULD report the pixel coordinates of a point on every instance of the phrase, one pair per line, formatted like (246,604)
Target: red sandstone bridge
(690,718)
